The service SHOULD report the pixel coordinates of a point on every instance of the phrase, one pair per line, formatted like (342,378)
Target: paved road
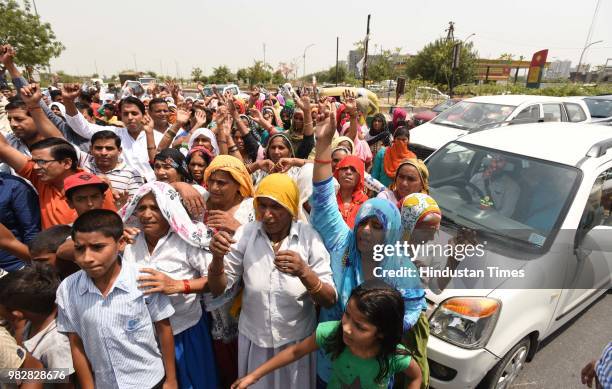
(558,363)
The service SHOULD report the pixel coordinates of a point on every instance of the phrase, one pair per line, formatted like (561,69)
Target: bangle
(317,288)
(232,149)
(222,141)
(186,287)
(172,134)
(323,161)
(211,272)
(308,124)
(151,148)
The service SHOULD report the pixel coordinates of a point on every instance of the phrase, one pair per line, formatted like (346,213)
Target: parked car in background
(425,116)
(426,93)
(600,107)
(477,112)
(222,88)
(553,244)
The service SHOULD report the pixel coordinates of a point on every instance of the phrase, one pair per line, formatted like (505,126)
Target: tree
(342,74)
(196,74)
(33,40)
(95,75)
(433,63)
(278,78)
(151,73)
(381,67)
(243,75)
(259,73)
(286,69)
(221,75)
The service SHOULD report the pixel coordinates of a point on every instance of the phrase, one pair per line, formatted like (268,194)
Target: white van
(474,113)
(556,234)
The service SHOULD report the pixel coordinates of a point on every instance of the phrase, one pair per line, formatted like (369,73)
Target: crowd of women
(258,218)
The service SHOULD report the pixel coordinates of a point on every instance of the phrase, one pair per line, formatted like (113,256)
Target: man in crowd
(159,111)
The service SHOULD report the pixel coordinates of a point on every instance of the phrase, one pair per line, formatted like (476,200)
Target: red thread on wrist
(323,161)
(186,287)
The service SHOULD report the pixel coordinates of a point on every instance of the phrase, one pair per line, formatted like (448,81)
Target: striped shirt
(122,177)
(117,330)
(603,368)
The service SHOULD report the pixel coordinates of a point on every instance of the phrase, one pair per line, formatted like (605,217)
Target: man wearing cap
(84,192)
(53,160)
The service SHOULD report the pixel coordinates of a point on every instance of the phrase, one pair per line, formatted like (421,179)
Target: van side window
(531,112)
(552,112)
(599,205)
(575,113)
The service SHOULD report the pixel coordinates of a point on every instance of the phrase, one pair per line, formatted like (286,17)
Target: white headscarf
(59,106)
(207,133)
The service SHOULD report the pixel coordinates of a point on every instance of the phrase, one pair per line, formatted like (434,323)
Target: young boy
(29,294)
(84,192)
(43,249)
(111,325)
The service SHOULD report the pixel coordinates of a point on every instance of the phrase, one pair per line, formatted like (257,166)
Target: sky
(173,37)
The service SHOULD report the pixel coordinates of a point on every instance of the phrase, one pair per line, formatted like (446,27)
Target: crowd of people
(158,241)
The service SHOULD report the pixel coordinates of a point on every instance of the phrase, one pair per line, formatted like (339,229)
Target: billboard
(536,69)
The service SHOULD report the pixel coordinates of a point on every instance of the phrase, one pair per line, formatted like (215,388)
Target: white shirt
(178,260)
(135,152)
(276,308)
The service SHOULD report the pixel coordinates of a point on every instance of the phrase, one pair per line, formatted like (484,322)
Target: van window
(598,206)
(552,112)
(531,112)
(575,113)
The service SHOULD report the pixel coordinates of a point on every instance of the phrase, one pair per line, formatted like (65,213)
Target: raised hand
(200,87)
(147,123)
(7,53)
(326,123)
(31,95)
(350,102)
(71,91)
(182,116)
(200,118)
(304,102)
(256,115)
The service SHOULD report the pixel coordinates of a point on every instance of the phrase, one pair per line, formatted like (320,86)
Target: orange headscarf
(359,197)
(394,156)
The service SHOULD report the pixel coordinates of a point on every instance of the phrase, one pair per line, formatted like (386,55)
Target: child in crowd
(43,249)
(29,294)
(364,347)
(111,324)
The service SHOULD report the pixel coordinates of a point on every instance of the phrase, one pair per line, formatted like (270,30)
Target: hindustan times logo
(405,249)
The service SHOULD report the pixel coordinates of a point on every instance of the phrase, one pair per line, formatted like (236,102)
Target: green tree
(243,75)
(221,75)
(331,74)
(33,40)
(153,74)
(433,63)
(259,73)
(196,74)
(277,77)
(381,67)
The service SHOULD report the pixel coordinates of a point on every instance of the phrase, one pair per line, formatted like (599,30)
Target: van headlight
(465,321)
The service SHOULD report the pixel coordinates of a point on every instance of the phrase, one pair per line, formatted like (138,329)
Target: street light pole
(306,48)
(582,55)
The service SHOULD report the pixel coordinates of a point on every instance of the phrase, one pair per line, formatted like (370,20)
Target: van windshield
(471,115)
(516,198)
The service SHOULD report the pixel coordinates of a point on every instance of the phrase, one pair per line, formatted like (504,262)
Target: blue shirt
(117,330)
(20,213)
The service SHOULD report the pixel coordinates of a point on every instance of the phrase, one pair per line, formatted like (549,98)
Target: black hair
(16,102)
(106,134)
(207,157)
(109,106)
(54,93)
(178,158)
(82,107)
(133,100)
(85,97)
(49,240)
(286,142)
(104,221)
(30,289)
(60,150)
(383,307)
(157,100)
(402,131)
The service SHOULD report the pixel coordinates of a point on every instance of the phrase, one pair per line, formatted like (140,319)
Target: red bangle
(323,161)
(187,287)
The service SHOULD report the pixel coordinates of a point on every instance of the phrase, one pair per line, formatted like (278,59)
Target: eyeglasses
(42,162)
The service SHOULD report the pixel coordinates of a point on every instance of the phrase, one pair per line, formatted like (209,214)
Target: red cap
(82,179)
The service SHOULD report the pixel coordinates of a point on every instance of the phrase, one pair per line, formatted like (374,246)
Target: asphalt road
(559,360)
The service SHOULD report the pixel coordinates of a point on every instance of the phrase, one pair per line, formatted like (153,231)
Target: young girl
(364,347)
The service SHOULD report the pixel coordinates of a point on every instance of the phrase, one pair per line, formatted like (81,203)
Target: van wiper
(451,124)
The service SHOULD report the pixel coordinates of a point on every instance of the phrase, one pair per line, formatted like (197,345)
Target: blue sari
(341,243)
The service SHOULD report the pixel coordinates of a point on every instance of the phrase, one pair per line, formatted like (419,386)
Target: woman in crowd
(280,157)
(167,251)
(378,135)
(170,166)
(197,160)
(285,270)
(350,176)
(388,159)
(411,176)
(352,251)
(229,205)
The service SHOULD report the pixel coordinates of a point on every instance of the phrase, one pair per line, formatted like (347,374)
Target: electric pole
(365,59)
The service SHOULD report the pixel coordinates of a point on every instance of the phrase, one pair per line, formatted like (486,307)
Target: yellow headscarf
(236,169)
(421,169)
(280,188)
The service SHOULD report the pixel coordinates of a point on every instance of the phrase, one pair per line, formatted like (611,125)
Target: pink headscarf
(362,149)
(398,114)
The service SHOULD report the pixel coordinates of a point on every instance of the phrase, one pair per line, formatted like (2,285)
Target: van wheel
(505,371)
